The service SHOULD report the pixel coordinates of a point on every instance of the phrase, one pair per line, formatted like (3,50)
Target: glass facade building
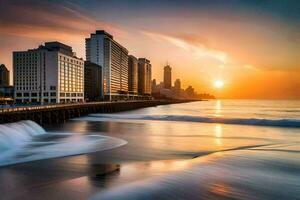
(103,50)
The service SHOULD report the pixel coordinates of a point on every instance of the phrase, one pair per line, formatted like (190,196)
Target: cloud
(47,19)
(197,49)
(25,24)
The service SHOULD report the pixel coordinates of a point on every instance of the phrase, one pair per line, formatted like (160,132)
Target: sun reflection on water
(218,108)
(221,189)
(218,134)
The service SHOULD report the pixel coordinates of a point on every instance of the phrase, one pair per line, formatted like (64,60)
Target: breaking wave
(239,121)
(27,141)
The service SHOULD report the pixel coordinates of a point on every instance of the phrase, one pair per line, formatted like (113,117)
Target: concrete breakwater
(51,114)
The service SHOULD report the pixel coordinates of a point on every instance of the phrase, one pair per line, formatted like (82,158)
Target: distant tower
(4,76)
(167,77)
(190,91)
(153,85)
(177,86)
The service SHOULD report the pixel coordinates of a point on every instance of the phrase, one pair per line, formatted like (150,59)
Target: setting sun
(218,84)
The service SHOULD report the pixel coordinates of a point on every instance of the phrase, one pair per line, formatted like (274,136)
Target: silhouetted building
(132,75)
(167,77)
(4,76)
(144,76)
(92,82)
(177,86)
(190,92)
(49,74)
(103,50)
(153,86)
(6,94)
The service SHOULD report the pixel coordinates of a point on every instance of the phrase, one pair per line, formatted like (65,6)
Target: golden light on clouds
(197,50)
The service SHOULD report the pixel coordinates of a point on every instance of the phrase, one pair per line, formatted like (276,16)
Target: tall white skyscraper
(103,50)
(49,74)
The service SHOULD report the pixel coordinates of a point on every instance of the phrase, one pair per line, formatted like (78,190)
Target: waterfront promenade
(58,113)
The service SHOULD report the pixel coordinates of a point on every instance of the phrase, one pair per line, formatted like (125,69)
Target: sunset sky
(252,46)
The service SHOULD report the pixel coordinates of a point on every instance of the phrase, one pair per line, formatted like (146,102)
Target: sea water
(231,149)
(219,149)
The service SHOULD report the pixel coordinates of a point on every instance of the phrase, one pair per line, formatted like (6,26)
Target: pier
(59,113)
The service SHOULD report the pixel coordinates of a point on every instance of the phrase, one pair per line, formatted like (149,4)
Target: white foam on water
(27,141)
(291,123)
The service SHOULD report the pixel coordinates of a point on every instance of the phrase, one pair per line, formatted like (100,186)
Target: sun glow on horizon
(218,84)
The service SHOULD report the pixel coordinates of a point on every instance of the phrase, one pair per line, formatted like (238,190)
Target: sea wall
(60,113)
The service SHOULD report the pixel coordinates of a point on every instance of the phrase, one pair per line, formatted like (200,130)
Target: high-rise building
(144,76)
(177,86)
(177,93)
(153,86)
(4,76)
(132,75)
(167,77)
(92,82)
(190,92)
(6,91)
(49,74)
(103,50)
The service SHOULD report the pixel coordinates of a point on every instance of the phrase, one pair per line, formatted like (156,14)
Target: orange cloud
(198,50)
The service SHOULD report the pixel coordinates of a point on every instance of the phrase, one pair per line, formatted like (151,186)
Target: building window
(52,87)
(26,94)
(34,94)
(46,94)
(62,94)
(53,94)
(19,94)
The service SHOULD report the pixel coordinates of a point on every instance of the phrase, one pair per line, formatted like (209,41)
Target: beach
(229,150)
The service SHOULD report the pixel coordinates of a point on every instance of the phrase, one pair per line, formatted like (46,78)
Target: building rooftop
(144,60)
(103,32)
(3,67)
(57,46)
(168,67)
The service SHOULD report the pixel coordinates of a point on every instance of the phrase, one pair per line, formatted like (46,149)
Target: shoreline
(158,159)
(60,113)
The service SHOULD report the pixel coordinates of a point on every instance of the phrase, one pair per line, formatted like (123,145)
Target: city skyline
(252,49)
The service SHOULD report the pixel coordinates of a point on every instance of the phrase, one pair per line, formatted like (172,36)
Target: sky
(252,46)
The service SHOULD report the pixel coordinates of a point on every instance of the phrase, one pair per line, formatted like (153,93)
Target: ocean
(218,149)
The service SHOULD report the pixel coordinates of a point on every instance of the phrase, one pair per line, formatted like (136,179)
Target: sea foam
(27,141)
(189,118)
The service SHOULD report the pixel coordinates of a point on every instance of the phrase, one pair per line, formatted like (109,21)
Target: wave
(14,135)
(27,141)
(239,121)
(227,175)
